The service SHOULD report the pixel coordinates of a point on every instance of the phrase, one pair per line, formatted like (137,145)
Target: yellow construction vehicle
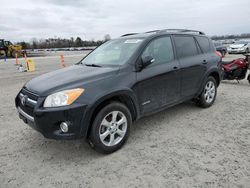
(7,49)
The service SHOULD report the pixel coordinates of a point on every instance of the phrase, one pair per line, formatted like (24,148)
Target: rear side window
(160,49)
(204,44)
(185,46)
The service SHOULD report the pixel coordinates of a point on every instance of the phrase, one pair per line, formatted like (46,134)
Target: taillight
(218,54)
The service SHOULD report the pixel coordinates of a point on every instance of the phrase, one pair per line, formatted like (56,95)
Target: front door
(158,84)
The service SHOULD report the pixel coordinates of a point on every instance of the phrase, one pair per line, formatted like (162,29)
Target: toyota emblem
(23,99)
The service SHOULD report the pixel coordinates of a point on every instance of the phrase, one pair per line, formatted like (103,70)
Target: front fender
(86,121)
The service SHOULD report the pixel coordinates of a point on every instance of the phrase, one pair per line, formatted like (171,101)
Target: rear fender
(205,79)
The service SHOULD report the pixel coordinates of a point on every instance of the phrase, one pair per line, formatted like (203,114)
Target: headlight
(63,98)
(242,48)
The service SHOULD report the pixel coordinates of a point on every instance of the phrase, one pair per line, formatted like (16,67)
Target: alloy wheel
(209,93)
(113,128)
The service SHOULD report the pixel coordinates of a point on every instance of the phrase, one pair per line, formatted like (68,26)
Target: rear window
(204,44)
(185,46)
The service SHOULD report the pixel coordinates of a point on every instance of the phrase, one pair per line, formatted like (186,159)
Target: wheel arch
(247,49)
(215,74)
(125,97)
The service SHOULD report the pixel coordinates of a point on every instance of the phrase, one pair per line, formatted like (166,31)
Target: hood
(237,45)
(73,76)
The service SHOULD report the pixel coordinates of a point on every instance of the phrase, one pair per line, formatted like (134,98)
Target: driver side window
(160,49)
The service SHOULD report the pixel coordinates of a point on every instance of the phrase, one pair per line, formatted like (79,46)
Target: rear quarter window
(185,46)
(204,44)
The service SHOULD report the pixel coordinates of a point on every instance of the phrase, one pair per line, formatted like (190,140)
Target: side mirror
(147,60)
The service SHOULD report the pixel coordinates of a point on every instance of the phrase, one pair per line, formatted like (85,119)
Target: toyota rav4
(121,81)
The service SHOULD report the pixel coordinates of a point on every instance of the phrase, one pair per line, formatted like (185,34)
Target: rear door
(208,51)
(192,64)
(158,84)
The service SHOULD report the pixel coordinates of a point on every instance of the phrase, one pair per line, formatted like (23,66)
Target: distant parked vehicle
(220,48)
(239,47)
(230,41)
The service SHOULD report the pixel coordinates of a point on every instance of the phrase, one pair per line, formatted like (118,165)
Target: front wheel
(110,128)
(208,95)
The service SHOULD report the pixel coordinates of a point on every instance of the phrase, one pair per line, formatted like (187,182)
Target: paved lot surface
(184,146)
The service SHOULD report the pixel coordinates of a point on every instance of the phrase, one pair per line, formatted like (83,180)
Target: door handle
(204,62)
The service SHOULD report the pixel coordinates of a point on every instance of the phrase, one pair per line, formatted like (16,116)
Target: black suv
(119,82)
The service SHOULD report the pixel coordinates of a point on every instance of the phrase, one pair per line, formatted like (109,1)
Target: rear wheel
(110,128)
(208,95)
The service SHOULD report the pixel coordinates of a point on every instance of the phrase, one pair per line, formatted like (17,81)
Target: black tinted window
(160,49)
(1,43)
(185,46)
(204,44)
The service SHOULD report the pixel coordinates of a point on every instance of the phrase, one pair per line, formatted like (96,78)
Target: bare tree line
(224,37)
(62,43)
(78,42)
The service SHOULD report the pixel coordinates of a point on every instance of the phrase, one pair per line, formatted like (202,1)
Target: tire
(107,134)
(209,92)
(2,53)
(247,51)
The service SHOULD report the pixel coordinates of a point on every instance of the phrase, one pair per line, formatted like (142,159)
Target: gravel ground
(183,146)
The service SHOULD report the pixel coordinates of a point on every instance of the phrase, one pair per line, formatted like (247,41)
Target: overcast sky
(92,19)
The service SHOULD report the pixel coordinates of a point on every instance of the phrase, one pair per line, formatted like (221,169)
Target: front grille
(30,101)
(29,94)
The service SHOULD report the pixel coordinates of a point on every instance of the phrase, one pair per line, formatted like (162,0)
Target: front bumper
(47,120)
(235,51)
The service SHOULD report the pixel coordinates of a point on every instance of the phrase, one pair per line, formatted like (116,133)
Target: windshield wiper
(92,65)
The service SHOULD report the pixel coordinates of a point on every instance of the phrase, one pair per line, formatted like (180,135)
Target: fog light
(64,127)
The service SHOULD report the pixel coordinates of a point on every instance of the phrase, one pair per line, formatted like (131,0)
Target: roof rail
(153,31)
(182,31)
(168,30)
(128,34)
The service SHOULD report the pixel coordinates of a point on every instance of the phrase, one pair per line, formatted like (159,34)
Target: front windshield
(241,42)
(114,52)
